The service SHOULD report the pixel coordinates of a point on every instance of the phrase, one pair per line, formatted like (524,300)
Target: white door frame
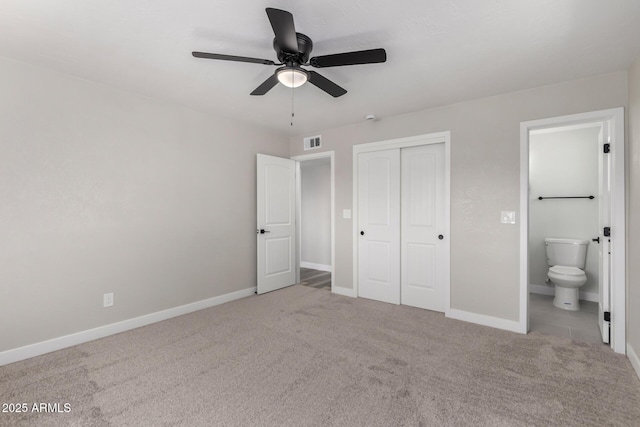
(302,158)
(432,138)
(618,282)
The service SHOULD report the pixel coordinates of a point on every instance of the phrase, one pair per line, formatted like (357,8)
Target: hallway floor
(315,278)
(579,325)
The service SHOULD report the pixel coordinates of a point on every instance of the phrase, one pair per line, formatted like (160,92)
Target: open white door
(379,225)
(604,222)
(276,226)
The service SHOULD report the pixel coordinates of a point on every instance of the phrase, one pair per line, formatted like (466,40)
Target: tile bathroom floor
(579,325)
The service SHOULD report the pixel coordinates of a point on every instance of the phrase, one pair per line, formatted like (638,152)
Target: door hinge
(607,316)
(607,148)
(607,231)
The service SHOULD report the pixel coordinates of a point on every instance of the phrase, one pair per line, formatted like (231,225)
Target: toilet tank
(567,252)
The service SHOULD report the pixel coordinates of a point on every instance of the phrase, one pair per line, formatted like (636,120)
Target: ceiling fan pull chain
(292,104)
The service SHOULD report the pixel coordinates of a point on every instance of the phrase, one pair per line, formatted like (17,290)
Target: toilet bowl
(566,258)
(567,281)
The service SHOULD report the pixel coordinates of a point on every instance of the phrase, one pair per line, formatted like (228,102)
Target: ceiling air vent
(312,143)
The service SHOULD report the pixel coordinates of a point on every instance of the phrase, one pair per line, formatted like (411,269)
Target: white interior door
(276,223)
(604,248)
(379,225)
(423,249)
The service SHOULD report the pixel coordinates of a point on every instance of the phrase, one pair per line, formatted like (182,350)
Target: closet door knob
(362,233)
(440,236)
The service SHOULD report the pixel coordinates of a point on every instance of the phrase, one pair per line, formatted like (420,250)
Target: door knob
(597,240)
(262,231)
(362,233)
(440,236)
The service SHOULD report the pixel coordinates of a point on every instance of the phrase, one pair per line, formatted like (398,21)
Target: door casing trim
(618,255)
(302,158)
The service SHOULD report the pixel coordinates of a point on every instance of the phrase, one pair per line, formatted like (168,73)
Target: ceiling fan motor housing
(305,46)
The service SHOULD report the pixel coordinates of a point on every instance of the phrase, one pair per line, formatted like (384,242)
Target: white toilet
(566,258)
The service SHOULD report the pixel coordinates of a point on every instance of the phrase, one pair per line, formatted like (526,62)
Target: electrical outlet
(107,300)
(508,217)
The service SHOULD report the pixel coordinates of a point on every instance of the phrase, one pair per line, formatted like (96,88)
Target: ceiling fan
(293,50)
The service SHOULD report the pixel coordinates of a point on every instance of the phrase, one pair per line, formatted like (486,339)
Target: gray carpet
(303,356)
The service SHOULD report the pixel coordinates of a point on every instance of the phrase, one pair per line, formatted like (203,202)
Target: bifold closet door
(422,221)
(379,225)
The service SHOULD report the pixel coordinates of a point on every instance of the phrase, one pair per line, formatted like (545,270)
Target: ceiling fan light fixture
(292,76)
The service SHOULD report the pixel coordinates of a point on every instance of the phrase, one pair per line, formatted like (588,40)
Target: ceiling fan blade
(284,29)
(371,56)
(232,58)
(325,84)
(266,85)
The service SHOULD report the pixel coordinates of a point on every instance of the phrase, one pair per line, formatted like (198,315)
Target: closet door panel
(422,222)
(379,225)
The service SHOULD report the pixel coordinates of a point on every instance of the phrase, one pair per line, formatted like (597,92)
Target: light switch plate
(346,213)
(508,217)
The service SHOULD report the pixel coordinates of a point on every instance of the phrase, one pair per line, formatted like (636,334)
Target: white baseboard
(494,322)
(32,350)
(551,290)
(344,291)
(314,266)
(634,359)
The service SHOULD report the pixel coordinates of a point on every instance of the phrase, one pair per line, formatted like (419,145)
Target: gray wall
(107,191)
(485,180)
(316,211)
(563,163)
(633,214)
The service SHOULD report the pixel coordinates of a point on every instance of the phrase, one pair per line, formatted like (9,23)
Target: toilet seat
(567,281)
(566,271)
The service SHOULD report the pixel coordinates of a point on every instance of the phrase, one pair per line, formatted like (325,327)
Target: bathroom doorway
(572,188)
(564,203)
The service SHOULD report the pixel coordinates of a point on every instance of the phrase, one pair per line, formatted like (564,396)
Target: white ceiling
(438,51)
